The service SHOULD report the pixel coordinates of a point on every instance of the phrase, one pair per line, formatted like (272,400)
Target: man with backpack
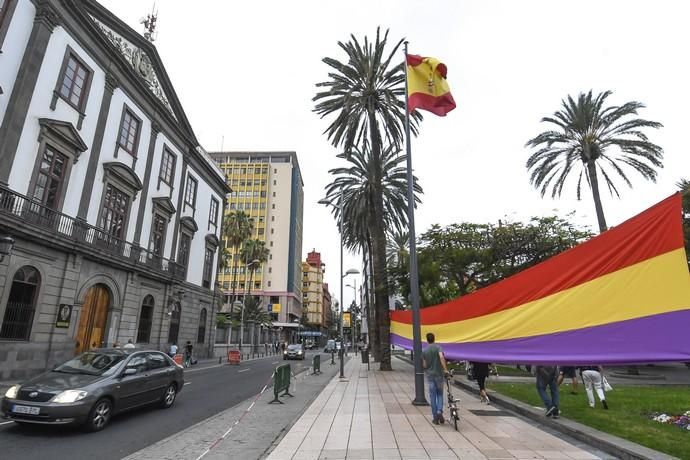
(547,377)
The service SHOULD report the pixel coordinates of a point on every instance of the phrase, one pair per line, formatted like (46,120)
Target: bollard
(281,382)
(316,364)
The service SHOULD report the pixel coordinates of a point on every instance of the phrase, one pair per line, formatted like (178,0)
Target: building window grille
(21,305)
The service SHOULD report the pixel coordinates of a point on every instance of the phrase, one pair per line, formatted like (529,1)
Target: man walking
(435,369)
(546,377)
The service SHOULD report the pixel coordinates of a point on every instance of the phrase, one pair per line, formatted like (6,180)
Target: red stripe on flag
(438,105)
(653,232)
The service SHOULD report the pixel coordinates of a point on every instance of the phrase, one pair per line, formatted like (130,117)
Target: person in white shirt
(173,350)
(129,344)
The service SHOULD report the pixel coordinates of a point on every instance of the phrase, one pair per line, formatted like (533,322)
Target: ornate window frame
(84,98)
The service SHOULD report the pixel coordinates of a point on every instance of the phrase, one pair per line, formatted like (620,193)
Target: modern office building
(268,186)
(114,208)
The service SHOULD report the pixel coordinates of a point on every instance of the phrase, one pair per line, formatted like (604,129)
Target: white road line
(187,383)
(244,370)
(275,362)
(5,423)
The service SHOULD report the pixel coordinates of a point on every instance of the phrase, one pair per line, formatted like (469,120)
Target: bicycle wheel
(455,421)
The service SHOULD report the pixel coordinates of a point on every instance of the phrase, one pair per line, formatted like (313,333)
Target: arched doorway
(93,318)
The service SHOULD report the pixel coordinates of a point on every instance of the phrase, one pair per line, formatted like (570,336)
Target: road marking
(187,383)
(244,370)
(275,362)
(5,423)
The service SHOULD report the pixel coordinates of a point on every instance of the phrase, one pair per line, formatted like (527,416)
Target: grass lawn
(627,414)
(502,370)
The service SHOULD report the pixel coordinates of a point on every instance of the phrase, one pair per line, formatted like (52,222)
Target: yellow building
(268,186)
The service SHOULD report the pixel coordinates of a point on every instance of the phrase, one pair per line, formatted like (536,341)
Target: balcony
(33,219)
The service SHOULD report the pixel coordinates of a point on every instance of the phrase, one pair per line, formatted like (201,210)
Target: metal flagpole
(419,398)
(342,338)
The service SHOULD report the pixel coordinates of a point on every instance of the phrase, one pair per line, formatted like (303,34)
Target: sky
(245,73)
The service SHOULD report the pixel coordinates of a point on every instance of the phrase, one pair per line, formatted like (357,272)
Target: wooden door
(94,315)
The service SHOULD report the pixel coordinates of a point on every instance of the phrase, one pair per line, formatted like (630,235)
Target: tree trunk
(594,183)
(371,305)
(378,247)
(235,256)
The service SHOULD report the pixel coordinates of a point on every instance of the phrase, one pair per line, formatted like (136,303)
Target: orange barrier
(179,359)
(234,356)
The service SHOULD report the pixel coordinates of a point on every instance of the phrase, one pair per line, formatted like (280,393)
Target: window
(183,251)
(6,10)
(167,173)
(273,218)
(208,268)
(190,192)
(263,194)
(74,82)
(51,175)
(270,270)
(257,284)
(157,361)
(114,212)
(145,320)
(129,132)
(269,284)
(175,315)
(260,231)
(213,215)
(272,231)
(274,182)
(233,206)
(274,194)
(201,334)
(21,305)
(273,206)
(158,230)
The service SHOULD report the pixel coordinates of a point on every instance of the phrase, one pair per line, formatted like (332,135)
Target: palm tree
(253,311)
(366,96)
(398,249)
(238,227)
(595,140)
(256,253)
(359,183)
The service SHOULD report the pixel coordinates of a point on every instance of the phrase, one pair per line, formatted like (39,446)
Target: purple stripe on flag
(655,338)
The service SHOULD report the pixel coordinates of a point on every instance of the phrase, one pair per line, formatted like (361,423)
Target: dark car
(92,387)
(294,351)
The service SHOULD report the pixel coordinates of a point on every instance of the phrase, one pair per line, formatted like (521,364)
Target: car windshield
(91,363)
(294,347)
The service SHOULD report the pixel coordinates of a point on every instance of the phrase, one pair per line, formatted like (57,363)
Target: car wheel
(169,396)
(100,415)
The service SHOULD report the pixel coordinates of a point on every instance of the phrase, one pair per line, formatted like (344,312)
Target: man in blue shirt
(435,369)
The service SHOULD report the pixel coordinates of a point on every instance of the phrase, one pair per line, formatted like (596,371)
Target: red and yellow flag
(427,85)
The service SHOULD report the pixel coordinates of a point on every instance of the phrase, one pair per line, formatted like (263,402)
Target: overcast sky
(245,72)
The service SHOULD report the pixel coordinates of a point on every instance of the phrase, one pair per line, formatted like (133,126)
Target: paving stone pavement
(370,416)
(249,439)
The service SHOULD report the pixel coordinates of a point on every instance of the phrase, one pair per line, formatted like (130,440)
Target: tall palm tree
(238,227)
(593,139)
(359,184)
(365,95)
(256,254)
(398,249)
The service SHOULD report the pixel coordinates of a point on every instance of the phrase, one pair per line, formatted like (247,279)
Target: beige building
(268,186)
(312,293)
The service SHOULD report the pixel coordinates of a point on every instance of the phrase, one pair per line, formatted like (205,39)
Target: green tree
(593,140)
(359,184)
(253,311)
(365,95)
(255,253)
(238,227)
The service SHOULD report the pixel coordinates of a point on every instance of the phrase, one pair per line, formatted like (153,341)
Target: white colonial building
(114,207)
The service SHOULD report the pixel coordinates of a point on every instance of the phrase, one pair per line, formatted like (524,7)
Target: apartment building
(313,295)
(113,206)
(268,186)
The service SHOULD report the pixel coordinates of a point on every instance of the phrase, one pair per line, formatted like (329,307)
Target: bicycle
(452,402)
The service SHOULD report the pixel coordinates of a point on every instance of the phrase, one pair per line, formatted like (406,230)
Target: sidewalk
(370,416)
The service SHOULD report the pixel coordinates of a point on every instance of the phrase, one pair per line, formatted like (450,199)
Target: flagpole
(419,398)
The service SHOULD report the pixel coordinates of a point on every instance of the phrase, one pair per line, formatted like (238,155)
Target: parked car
(294,351)
(92,387)
(330,346)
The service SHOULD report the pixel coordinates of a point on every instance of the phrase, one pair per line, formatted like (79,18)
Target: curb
(618,447)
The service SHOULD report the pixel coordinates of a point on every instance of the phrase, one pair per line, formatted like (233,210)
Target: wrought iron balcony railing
(34,214)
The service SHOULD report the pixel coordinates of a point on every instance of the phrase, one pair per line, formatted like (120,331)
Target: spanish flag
(622,297)
(427,85)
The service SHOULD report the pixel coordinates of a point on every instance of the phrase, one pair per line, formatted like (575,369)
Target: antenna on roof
(150,24)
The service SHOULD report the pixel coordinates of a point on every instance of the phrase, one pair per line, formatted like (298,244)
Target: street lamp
(242,304)
(6,245)
(351,271)
(355,336)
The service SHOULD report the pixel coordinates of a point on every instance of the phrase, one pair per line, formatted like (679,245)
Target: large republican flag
(622,297)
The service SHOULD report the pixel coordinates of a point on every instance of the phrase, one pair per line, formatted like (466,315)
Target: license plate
(30,410)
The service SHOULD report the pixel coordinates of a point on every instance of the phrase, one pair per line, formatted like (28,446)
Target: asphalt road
(207,391)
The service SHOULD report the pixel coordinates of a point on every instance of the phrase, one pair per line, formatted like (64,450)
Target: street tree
(590,140)
(365,95)
(255,253)
(237,228)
